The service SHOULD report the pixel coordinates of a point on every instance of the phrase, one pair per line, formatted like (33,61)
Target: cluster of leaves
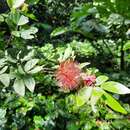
(50,115)
(108,31)
(19,70)
(96,31)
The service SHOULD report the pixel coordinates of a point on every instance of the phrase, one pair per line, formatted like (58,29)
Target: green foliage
(21,70)
(115,87)
(36,36)
(110,101)
(83,49)
(127,46)
(92,95)
(2,117)
(58,31)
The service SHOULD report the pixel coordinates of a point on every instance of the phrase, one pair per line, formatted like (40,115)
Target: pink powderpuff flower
(89,79)
(68,75)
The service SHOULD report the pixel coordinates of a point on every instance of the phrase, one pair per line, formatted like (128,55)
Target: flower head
(89,79)
(68,75)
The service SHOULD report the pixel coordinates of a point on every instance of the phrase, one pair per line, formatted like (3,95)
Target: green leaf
(18,3)
(84,95)
(30,83)
(25,34)
(101,79)
(96,95)
(2,118)
(19,87)
(30,64)
(112,116)
(111,102)
(1,18)
(38,120)
(5,79)
(23,20)
(15,3)
(115,19)
(93,10)
(2,62)
(85,92)
(35,70)
(15,33)
(82,65)
(10,3)
(67,53)
(80,12)
(28,34)
(115,87)
(80,100)
(3,69)
(59,31)
(127,46)
(10,58)
(21,70)
(28,56)
(2,113)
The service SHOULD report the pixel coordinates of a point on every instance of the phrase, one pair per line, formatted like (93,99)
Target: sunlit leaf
(96,95)
(28,34)
(15,33)
(59,31)
(30,64)
(2,117)
(127,46)
(82,65)
(101,79)
(18,3)
(35,70)
(112,116)
(1,18)
(10,3)
(3,69)
(23,20)
(19,87)
(80,100)
(5,79)
(84,95)
(67,53)
(111,102)
(30,83)
(28,56)
(2,62)
(2,113)
(115,87)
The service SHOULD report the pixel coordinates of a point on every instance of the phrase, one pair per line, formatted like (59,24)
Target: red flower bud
(89,79)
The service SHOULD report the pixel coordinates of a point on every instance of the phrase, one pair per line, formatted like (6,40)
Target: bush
(64,65)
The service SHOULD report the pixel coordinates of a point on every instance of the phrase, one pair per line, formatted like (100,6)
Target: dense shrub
(64,65)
